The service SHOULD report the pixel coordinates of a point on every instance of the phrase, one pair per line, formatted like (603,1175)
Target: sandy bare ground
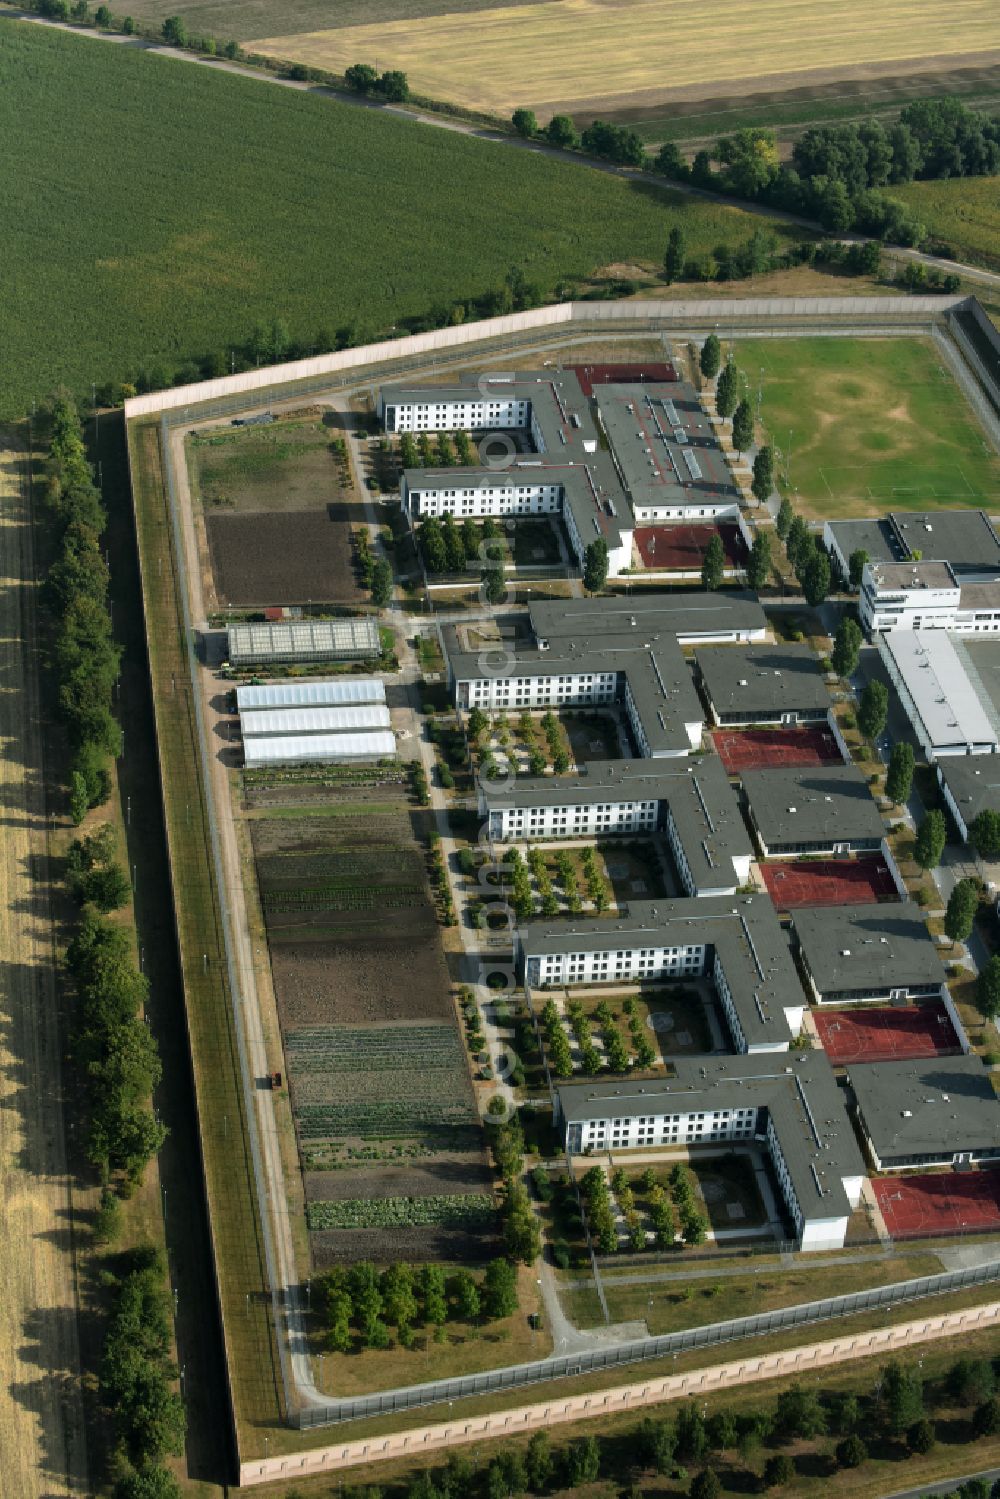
(41,1416)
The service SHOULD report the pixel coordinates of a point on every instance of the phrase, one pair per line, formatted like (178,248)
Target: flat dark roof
(965,538)
(798,1089)
(876,537)
(812,804)
(761,678)
(743,929)
(928,1108)
(973,781)
(847,947)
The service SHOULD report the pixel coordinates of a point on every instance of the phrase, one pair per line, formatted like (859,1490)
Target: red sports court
(886,1033)
(947,1202)
(590,375)
(828,882)
(683,547)
(772,749)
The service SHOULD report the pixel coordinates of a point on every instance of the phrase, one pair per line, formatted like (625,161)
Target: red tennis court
(886,1033)
(946,1202)
(772,749)
(590,375)
(683,547)
(828,882)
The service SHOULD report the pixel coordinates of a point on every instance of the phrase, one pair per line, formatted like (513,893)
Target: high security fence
(763,314)
(642,1349)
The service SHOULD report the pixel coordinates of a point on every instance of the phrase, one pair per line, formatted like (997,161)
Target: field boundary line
(697,1382)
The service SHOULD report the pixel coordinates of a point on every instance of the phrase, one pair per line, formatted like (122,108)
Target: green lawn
(963,213)
(872,425)
(155,211)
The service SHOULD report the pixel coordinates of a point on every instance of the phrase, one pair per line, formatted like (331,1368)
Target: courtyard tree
(899,778)
(763,474)
(783,520)
(759,566)
(874,710)
(595,565)
(381,584)
(985,833)
(960,913)
(743,426)
(711,357)
(846,646)
(988,988)
(856,566)
(525,122)
(727,390)
(713,564)
(676,254)
(930,840)
(816,578)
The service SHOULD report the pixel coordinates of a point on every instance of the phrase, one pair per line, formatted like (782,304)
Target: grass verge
(234,1223)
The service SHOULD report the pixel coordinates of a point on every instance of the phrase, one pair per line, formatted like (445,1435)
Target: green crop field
(871,425)
(183,206)
(962,212)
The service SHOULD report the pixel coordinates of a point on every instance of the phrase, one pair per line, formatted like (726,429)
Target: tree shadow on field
(54,1398)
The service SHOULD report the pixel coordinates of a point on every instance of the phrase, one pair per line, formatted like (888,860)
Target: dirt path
(41,1414)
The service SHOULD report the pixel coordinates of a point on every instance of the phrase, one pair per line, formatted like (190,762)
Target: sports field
(558,54)
(828,882)
(866,425)
(886,1033)
(681,548)
(756,749)
(947,1202)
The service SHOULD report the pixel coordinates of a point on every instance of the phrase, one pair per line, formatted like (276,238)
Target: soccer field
(867,425)
(574,53)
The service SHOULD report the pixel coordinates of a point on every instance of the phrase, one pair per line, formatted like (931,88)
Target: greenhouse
(305,640)
(322,749)
(291,721)
(310,694)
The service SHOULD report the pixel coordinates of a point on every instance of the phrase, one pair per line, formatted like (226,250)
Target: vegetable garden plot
(466,1210)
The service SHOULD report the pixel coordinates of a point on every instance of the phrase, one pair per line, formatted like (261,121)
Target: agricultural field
(278,508)
(789,112)
(554,54)
(870,425)
(388,1135)
(962,213)
(218,239)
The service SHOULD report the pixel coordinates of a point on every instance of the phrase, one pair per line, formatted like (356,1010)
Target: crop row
(362,1088)
(402,1212)
(393,897)
(370,1047)
(383,1118)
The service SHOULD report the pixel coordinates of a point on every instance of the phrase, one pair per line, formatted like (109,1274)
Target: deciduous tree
(899,777)
(525,122)
(676,252)
(711,357)
(874,710)
(763,474)
(930,840)
(759,566)
(960,913)
(713,564)
(595,565)
(743,426)
(727,390)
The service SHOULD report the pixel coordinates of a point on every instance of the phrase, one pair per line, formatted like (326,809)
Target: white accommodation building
(794,1110)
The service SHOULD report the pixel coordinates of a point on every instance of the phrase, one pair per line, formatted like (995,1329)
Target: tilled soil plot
(440,1175)
(302,556)
(393,1246)
(362,982)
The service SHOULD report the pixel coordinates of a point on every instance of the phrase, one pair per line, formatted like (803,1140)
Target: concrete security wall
(697,1383)
(704,315)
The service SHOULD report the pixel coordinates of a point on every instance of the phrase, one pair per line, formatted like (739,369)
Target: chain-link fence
(639,1350)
